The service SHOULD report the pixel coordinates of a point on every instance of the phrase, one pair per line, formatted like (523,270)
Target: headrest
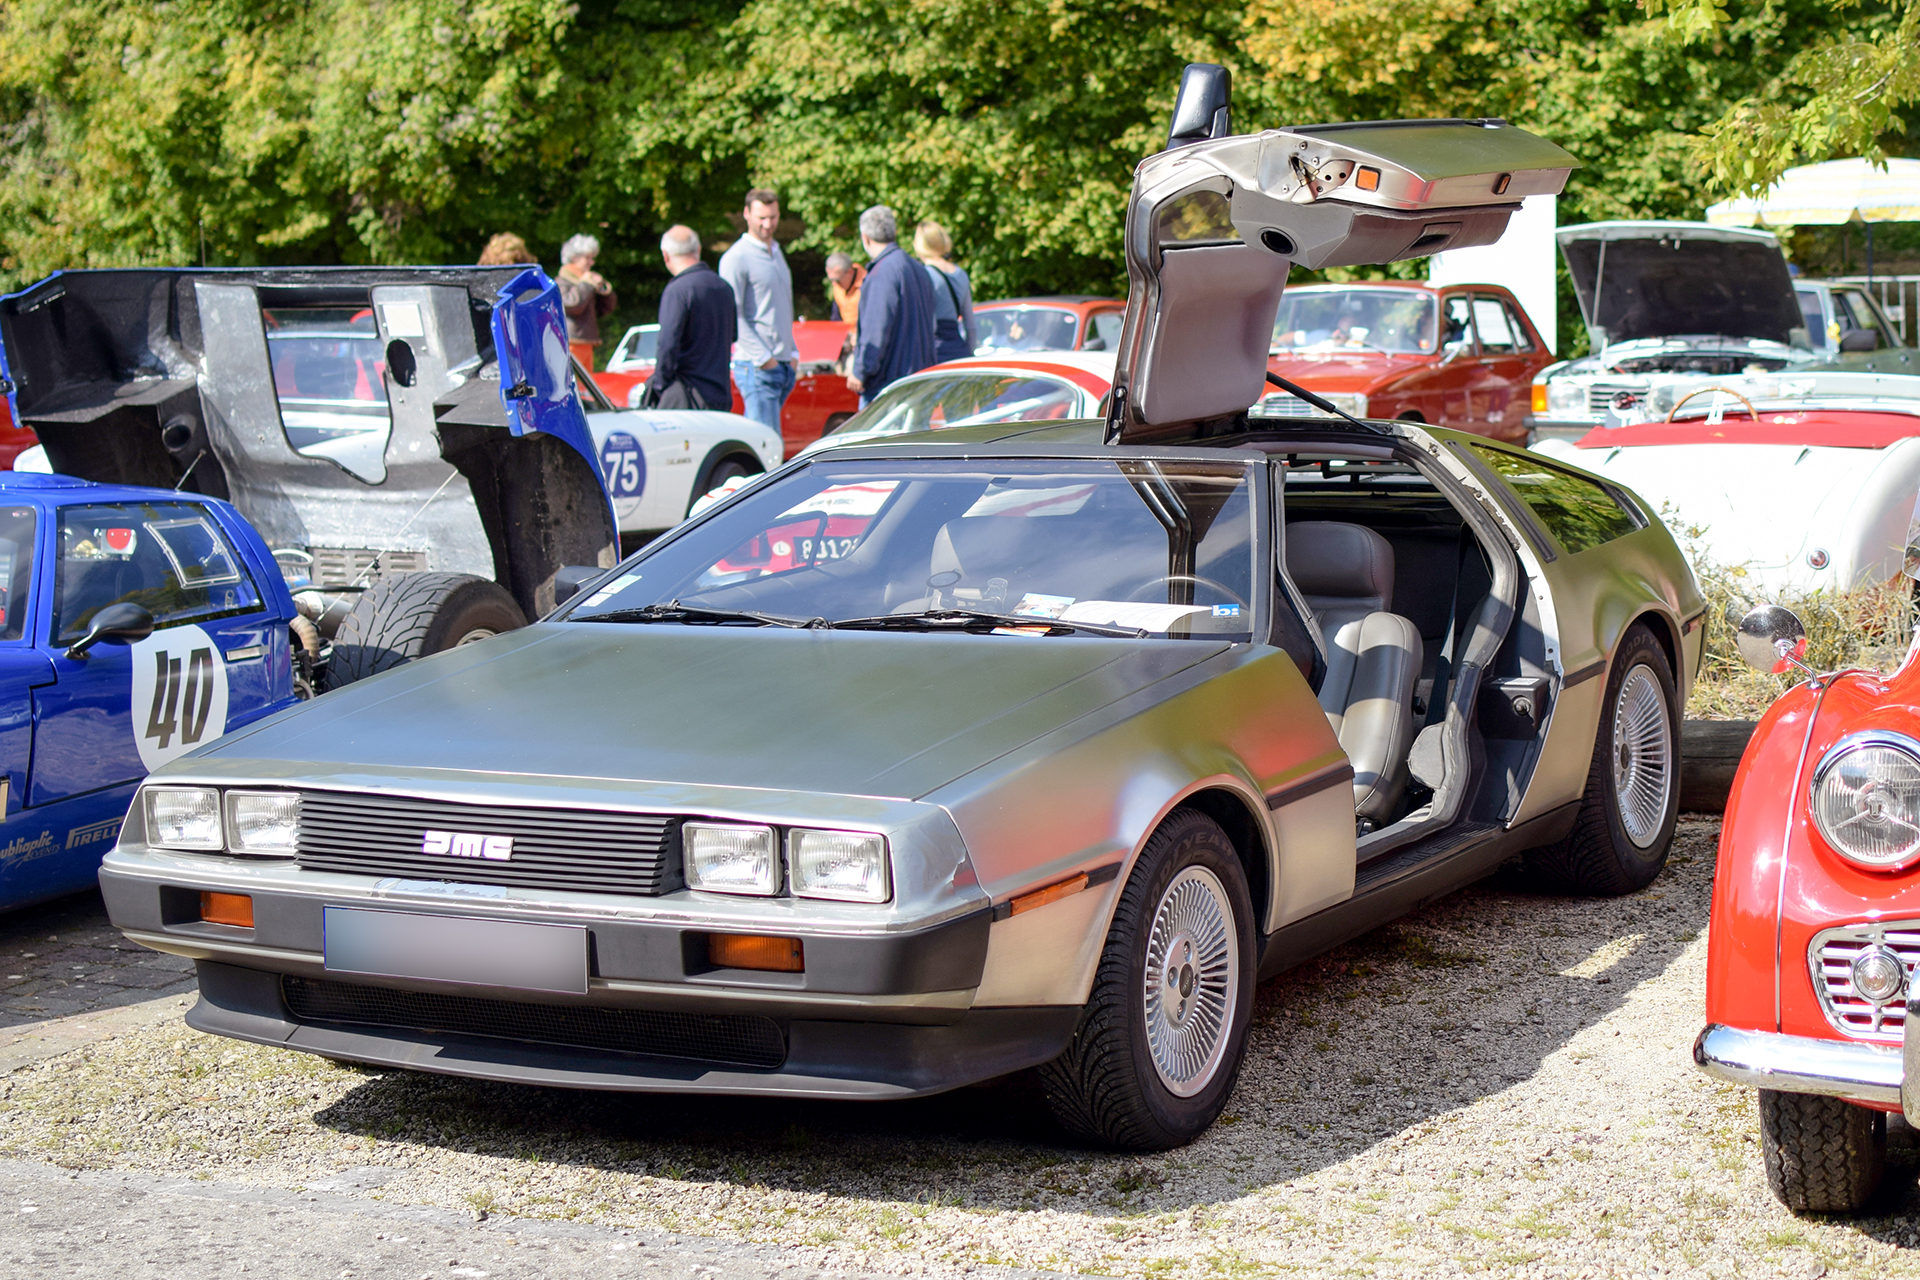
(1345,561)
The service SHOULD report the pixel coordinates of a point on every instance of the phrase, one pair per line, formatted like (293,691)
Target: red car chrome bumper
(1801,1064)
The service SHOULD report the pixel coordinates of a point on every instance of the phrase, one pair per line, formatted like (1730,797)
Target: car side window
(1860,314)
(168,557)
(1578,512)
(1490,318)
(1813,315)
(1522,340)
(1456,325)
(1105,335)
(16,569)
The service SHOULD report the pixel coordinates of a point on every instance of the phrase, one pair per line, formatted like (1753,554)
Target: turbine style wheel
(1160,1041)
(1619,839)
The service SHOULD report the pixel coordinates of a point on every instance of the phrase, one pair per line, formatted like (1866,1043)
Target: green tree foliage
(1838,96)
(282,131)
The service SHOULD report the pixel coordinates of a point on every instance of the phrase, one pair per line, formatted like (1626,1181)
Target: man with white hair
(896,309)
(585,296)
(696,330)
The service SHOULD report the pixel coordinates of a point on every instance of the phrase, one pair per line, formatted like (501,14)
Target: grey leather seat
(1345,571)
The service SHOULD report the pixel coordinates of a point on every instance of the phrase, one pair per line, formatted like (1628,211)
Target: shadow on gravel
(62,957)
(1449,1005)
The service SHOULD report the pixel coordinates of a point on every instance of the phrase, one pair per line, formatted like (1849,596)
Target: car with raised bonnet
(1804,481)
(405,438)
(1461,356)
(1666,300)
(135,625)
(1815,926)
(1075,732)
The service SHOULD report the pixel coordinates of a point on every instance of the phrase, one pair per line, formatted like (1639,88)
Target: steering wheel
(1755,413)
(1190,577)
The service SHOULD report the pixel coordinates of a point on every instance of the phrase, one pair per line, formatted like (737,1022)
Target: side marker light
(227,908)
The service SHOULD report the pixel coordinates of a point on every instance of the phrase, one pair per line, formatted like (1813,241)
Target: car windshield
(329,373)
(639,345)
(1160,548)
(1395,320)
(961,399)
(1025,329)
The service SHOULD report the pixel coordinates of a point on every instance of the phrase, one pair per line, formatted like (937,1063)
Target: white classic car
(1806,479)
(659,461)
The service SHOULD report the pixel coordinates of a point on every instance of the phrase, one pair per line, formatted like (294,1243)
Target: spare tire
(416,614)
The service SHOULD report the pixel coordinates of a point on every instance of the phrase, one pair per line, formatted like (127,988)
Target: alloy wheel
(1192,981)
(1642,755)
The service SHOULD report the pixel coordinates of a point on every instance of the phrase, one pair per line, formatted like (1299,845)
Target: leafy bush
(1868,627)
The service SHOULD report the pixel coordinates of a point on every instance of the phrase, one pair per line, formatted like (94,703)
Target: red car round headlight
(1866,799)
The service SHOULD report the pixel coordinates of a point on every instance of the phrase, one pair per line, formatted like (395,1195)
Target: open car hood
(1661,279)
(1215,222)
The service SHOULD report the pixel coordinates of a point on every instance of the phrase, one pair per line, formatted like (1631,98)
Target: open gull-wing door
(1215,222)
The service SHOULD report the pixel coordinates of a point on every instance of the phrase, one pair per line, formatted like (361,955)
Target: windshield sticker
(1226,611)
(847,499)
(1130,613)
(612,589)
(1001,500)
(1033,605)
(118,542)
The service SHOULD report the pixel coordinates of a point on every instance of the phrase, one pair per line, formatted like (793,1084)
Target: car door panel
(1451,381)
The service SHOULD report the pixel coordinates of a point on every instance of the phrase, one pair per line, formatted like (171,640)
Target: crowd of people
(736,323)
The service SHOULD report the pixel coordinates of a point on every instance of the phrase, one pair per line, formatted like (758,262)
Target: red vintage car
(819,402)
(1063,322)
(14,439)
(1461,356)
(1815,927)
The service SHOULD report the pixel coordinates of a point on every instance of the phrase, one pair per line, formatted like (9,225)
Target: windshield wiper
(1321,403)
(674,611)
(962,619)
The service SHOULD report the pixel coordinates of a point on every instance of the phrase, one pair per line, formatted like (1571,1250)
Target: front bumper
(878,1012)
(1540,427)
(1800,1064)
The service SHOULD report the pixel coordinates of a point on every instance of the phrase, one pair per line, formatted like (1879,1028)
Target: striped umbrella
(1828,194)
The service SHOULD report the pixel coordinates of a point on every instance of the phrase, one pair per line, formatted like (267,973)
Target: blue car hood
(844,712)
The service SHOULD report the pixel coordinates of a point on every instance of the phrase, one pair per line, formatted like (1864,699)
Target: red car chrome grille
(1831,958)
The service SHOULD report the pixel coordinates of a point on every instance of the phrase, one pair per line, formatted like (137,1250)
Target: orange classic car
(1461,356)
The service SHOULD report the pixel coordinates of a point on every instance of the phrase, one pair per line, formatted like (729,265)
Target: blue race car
(135,625)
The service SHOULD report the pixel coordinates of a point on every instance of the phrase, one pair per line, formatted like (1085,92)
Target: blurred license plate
(485,953)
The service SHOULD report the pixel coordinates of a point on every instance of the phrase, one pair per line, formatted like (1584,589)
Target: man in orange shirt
(845,276)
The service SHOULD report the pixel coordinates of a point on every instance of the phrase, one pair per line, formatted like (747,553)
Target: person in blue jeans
(765,361)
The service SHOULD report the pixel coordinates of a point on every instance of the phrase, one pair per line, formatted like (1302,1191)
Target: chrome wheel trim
(1642,755)
(475,636)
(1192,981)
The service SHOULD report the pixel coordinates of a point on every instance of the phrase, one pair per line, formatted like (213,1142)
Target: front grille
(346,566)
(1831,958)
(1600,397)
(589,850)
(738,1040)
(1283,404)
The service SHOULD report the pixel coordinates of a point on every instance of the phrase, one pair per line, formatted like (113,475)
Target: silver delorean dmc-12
(920,762)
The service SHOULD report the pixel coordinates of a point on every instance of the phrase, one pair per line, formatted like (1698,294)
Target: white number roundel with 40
(179,693)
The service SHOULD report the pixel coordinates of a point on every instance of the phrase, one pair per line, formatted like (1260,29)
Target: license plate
(483,953)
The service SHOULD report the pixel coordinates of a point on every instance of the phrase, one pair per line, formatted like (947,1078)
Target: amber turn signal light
(1539,397)
(227,908)
(755,951)
(1052,893)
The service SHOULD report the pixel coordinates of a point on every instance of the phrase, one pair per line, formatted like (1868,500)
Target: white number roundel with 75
(179,693)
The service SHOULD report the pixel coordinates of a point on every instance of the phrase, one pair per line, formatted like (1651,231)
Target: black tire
(1823,1155)
(726,462)
(1602,856)
(414,615)
(1106,1087)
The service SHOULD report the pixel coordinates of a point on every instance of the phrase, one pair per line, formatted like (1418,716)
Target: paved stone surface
(67,978)
(128,1226)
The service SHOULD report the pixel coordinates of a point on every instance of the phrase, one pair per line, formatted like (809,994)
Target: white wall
(1523,260)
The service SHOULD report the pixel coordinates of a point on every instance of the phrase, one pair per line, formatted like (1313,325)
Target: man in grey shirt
(765,361)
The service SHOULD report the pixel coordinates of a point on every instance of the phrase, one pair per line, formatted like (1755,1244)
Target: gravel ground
(1498,1082)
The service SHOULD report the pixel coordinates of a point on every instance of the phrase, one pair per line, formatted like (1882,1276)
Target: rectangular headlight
(850,866)
(724,858)
(264,823)
(184,818)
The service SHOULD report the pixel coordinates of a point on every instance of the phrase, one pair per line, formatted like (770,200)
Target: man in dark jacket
(696,331)
(896,310)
